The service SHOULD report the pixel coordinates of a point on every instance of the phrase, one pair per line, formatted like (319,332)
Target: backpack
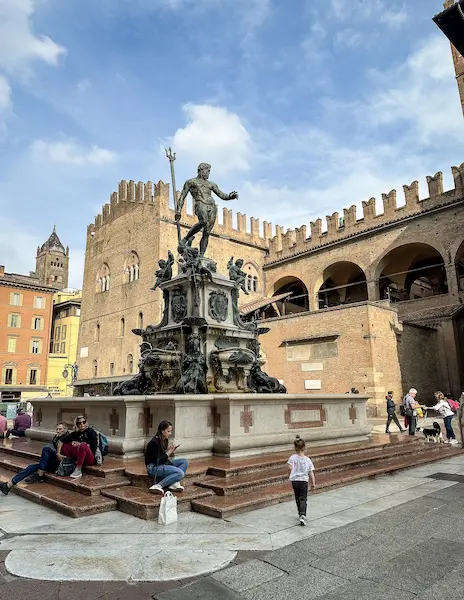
(102,447)
(454,406)
(402,410)
(66,467)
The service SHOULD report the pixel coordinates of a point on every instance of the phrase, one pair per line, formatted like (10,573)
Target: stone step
(224,467)
(89,485)
(144,504)
(275,475)
(62,500)
(228,505)
(137,473)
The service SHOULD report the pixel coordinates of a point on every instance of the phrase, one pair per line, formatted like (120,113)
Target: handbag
(168,509)
(66,467)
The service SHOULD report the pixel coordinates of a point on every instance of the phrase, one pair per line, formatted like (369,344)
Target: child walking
(302,469)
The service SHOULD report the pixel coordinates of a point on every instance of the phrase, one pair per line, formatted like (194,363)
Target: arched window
(103,278)
(252,279)
(95,368)
(130,363)
(140,323)
(122,327)
(131,267)
(343,282)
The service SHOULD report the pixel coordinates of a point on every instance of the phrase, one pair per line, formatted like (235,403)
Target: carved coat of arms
(218,305)
(178,305)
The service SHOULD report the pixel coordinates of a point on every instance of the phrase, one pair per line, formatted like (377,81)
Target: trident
(171,156)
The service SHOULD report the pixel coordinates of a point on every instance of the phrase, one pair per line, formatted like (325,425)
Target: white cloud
(19,45)
(349,38)
(213,134)
(5,100)
(71,153)
(379,10)
(421,93)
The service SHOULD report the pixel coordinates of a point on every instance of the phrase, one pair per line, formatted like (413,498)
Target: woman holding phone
(160,461)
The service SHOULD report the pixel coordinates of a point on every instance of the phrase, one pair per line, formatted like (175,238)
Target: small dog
(434,434)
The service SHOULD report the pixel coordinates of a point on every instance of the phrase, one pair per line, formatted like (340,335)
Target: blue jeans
(48,462)
(168,474)
(449,430)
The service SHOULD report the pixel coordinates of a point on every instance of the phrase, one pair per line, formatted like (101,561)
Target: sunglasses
(81,422)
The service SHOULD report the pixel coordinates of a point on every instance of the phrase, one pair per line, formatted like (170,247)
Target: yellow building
(63,342)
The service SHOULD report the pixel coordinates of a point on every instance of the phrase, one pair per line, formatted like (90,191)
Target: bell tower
(52,262)
(458,60)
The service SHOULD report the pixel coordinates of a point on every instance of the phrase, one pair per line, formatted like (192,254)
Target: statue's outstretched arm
(220,194)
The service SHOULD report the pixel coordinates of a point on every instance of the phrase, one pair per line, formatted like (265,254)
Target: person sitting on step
(48,463)
(22,422)
(80,444)
(160,463)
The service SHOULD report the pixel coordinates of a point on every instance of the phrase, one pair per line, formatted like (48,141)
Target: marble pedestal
(221,424)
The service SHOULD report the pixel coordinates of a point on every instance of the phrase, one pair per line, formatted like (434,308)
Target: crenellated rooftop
(294,241)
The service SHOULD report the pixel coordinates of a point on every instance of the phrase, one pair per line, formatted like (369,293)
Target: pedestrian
(22,422)
(161,464)
(443,408)
(81,444)
(48,463)
(301,469)
(391,414)
(410,408)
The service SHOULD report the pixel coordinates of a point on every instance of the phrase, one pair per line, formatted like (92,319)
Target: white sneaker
(176,487)
(303,520)
(76,473)
(454,442)
(156,488)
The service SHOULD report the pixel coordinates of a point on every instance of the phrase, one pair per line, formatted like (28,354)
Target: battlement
(294,241)
(131,195)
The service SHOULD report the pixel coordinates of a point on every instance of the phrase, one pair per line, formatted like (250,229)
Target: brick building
(25,321)
(458,63)
(372,303)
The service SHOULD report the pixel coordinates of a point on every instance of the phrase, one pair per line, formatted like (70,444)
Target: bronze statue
(236,274)
(164,272)
(204,206)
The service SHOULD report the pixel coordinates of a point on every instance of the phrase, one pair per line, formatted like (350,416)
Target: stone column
(373,293)
(452,279)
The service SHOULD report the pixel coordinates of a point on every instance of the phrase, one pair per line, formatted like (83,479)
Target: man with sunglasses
(80,444)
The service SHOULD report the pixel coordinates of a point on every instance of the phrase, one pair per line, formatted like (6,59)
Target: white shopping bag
(168,509)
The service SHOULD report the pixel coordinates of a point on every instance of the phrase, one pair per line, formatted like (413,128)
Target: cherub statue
(164,273)
(191,260)
(236,274)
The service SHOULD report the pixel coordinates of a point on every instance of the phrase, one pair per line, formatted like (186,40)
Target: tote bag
(168,509)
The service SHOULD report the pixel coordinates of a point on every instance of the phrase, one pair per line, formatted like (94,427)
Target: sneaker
(303,520)
(35,478)
(157,489)
(176,487)
(4,488)
(76,473)
(453,442)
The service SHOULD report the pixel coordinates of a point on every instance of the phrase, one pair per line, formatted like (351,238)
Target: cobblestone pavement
(358,544)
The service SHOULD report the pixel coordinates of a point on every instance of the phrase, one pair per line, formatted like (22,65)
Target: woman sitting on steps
(81,444)
(160,462)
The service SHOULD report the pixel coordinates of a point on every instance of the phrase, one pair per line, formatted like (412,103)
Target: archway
(411,272)
(344,282)
(295,301)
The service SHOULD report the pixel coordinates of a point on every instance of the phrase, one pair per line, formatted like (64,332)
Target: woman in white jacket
(445,411)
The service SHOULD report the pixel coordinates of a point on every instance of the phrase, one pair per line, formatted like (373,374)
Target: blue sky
(304,107)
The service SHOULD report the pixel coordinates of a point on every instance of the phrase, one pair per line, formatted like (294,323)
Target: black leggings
(300,489)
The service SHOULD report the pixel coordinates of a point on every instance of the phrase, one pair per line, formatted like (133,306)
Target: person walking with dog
(391,414)
(444,409)
(410,409)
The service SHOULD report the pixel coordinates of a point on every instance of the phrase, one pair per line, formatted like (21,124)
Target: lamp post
(65,373)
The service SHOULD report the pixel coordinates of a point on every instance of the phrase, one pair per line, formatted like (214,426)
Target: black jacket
(88,436)
(58,438)
(154,454)
(390,406)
